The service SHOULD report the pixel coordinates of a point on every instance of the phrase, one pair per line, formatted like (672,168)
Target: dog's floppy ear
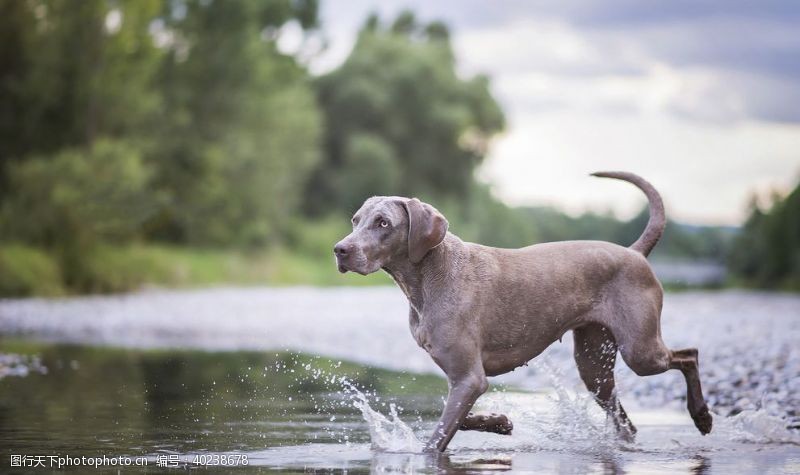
(426,228)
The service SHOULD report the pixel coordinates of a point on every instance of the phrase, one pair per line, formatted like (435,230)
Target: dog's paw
(703,420)
(501,424)
(496,423)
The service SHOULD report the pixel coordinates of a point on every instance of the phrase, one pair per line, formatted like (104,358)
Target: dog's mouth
(343,266)
(352,264)
(344,269)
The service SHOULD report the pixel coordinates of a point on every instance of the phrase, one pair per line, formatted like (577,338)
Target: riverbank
(27,271)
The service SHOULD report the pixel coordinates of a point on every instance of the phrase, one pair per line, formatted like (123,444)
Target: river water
(307,379)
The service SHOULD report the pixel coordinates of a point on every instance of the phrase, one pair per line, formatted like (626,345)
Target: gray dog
(481,311)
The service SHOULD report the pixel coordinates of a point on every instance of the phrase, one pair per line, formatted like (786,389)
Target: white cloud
(705,171)
(544,45)
(539,63)
(580,101)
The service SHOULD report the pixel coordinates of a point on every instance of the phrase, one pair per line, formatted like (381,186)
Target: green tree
(767,252)
(76,199)
(370,167)
(239,126)
(427,128)
(71,72)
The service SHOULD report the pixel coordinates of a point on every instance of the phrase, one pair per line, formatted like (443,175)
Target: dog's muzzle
(343,251)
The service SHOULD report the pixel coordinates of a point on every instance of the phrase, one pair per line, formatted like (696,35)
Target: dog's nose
(340,250)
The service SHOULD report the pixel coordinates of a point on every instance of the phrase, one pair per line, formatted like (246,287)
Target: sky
(702,98)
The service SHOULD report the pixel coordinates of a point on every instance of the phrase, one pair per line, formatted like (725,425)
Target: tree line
(766,252)
(183,122)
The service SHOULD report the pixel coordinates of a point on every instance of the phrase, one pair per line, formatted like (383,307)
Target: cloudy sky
(700,97)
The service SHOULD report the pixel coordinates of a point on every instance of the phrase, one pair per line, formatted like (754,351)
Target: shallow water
(289,411)
(295,411)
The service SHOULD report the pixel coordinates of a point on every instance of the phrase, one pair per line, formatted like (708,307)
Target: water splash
(387,434)
(567,421)
(577,419)
(757,426)
(558,419)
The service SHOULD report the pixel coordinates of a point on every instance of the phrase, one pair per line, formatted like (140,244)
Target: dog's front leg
(464,391)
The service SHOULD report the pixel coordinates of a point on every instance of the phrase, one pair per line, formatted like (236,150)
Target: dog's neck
(424,279)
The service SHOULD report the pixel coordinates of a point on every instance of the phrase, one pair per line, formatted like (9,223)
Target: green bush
(126,268)
(78,196)
(26,271)
(108,269)
(74,200)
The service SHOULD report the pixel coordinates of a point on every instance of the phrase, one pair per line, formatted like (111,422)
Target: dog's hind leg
(595,355)
(641,346)
(686,361)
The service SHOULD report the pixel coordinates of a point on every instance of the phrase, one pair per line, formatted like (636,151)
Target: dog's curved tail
(658,220)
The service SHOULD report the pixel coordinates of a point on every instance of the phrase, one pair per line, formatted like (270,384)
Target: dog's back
(538,293)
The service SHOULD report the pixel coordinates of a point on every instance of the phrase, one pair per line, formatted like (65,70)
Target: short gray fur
(481,311)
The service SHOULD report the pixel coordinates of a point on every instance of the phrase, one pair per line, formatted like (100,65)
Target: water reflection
(702,465)
(289,411)
(111,401)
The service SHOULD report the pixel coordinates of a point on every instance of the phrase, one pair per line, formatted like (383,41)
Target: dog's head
(389,228)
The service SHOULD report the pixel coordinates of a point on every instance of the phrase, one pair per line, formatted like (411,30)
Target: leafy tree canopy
(400,119)
(239,125)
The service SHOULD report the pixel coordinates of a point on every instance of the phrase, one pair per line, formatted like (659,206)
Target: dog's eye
(383,223)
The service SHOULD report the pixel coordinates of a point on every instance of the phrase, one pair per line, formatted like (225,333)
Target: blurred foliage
(79,198)
(767,252)
(175,121)
(27,271)
(31,271)
(173,142)
(239,125)
(400,121)
(71,73)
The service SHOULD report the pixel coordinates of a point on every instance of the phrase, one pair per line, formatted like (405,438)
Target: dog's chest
(417,329)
